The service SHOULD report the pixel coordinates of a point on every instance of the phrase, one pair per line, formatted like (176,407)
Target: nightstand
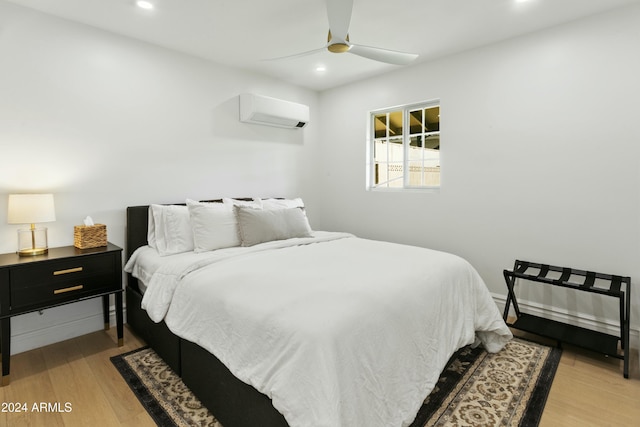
(62,276)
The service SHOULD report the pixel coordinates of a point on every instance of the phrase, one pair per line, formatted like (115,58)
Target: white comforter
(341,332)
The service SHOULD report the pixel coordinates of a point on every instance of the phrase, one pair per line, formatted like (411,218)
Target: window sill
(404,190)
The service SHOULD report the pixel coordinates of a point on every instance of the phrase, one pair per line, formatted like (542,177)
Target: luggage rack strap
(589,279)
(566,273)
(615,282)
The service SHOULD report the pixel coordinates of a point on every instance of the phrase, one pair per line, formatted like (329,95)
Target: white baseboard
(583,320)
(76,327)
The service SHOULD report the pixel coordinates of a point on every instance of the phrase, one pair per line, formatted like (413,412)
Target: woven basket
(89,236)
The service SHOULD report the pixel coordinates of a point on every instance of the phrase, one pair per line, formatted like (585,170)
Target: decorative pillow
(259,226)
(214,225)
(269,204)
(169,230)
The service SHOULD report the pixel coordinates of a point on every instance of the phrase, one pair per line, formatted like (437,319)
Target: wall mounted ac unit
(264,110)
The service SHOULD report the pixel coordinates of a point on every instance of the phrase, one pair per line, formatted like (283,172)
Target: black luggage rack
(614,286)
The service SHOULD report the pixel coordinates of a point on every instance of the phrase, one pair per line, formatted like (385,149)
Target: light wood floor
(588,390)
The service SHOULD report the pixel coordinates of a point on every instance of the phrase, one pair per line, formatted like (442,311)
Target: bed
(296,327)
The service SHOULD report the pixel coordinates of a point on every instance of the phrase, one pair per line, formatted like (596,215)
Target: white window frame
(406,139)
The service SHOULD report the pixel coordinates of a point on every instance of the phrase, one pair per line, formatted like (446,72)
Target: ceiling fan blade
(383,55)
(297,55)
(339,14)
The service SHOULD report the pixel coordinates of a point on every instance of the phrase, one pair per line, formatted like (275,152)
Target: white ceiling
(242,33)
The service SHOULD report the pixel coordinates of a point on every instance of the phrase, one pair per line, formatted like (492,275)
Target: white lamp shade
(30,208)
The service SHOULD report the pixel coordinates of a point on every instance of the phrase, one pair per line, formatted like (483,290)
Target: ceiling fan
(339,14)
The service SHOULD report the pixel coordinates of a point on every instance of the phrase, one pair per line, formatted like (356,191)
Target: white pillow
(151,229)
(255,203)
(169,230)
(214,225)
(269,204)
(259,226)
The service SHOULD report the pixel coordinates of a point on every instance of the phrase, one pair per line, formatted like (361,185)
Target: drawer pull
(67,271)
(69,289)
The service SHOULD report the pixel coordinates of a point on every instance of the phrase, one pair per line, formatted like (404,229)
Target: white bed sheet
(339,333)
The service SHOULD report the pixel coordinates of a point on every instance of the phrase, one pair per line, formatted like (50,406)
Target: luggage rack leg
(511,297)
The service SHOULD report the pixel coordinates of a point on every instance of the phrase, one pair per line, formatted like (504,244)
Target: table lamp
(31,209)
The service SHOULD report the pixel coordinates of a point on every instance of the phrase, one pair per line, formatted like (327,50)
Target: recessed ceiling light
(143,4)
(321,68)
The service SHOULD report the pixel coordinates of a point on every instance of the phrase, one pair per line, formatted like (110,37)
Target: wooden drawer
(63,280)
(60,271)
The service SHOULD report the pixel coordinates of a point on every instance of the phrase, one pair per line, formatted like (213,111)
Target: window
(404,150)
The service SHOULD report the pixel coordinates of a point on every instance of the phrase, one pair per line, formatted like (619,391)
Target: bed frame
(233,402)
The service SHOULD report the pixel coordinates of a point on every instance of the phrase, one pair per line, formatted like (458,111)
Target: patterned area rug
(508,388)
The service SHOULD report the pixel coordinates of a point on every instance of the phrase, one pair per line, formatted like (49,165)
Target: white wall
(540,148)
(540,157)
(104,122)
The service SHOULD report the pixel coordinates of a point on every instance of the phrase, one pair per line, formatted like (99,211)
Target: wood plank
(116,391)
(31,385)
(74,382)
(589,390)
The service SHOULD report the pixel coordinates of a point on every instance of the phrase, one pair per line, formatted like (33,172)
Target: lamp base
(32,242)
(33,251)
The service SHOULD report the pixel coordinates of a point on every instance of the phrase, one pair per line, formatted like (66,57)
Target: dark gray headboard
(137,224)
